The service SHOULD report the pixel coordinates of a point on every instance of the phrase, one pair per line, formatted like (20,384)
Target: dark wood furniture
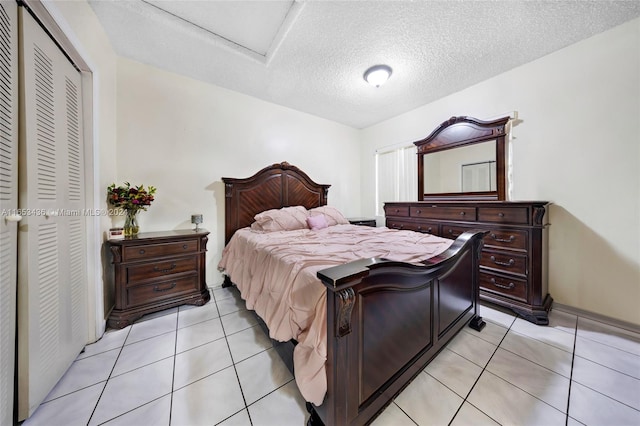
(157,270)
(515,256)
(453,135)
(385,320)
(362,221)
(513,266)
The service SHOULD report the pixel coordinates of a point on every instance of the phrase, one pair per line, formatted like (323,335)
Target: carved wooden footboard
(386,320)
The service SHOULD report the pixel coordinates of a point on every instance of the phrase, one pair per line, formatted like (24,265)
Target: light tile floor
(214,365)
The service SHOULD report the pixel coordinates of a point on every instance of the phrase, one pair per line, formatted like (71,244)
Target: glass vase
(131,226)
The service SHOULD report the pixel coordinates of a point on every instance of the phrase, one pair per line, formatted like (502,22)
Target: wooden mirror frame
(461,131)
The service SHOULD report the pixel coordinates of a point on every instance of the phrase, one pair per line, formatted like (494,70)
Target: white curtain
(396,176)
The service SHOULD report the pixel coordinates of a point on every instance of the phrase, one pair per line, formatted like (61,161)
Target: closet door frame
(10,217)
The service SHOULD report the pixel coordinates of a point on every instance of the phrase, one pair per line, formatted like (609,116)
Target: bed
(374,322)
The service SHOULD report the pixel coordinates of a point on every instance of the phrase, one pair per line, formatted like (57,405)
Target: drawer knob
(497,262)
(501,214)
(417,211)
(462,213)
(397,210)
(173,265)
(141,251)
(501,240)
(157,287)
(184,246)
(506,287)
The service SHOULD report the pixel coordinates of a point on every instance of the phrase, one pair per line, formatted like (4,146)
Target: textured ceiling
(311,55)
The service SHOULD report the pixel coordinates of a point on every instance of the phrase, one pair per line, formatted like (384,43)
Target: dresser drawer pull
(173,265)
(506,287)
(462,213)
(500,240)
(141,251)
(417,211)
(509,263)
(501,214)
(184,246)
(157,288)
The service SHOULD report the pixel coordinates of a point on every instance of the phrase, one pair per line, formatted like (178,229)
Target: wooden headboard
(275,186)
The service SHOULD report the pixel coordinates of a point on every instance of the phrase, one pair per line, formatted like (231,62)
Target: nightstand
(362,221)
(154,271)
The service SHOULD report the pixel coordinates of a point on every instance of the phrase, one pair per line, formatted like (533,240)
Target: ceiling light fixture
(377,75)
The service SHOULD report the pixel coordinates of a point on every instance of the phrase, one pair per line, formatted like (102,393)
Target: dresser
(155,271)
(513,266)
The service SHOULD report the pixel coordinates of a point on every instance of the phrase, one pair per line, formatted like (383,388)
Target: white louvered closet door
(8,202)
(52,300)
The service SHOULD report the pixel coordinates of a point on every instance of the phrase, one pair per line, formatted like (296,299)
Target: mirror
(464,158)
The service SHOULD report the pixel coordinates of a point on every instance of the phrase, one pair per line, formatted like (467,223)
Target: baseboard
(635,328)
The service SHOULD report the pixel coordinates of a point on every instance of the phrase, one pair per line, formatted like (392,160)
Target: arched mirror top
(463,159)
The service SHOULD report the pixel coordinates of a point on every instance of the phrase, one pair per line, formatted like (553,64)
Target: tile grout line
(233,364)
(93,412)
(573,358)
(173,372)
(480,375)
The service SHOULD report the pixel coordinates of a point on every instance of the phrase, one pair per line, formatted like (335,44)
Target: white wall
(182,136)
(578,146)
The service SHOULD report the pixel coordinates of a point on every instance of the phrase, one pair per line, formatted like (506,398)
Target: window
(396,176)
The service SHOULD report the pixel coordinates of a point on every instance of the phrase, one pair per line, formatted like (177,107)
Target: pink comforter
(276,275)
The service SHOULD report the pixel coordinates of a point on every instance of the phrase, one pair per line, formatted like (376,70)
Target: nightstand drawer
(160,268)
(518,215)
(151,293)
(156,250)
(511,287)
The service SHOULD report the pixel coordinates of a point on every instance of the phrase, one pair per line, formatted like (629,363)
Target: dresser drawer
(427,227)
(151,293)
(506,238)
(511,287)
(156,250)
(422,226)
(516,215)
(396,211)
(452,231)
(159,268)
(504,261)
(444,213)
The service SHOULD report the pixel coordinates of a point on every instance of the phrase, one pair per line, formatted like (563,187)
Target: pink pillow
(317,222)
(284,219)
(332,215)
